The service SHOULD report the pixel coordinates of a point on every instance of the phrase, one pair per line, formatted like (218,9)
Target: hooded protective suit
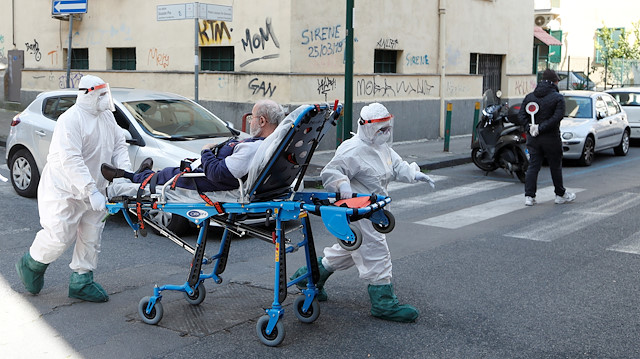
(71,185)
(366,163)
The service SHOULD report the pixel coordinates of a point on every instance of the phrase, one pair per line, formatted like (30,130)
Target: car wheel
(623,147)
(586,158)
(24,173)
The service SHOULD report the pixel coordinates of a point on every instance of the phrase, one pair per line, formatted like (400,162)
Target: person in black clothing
(544,140)
(222,163)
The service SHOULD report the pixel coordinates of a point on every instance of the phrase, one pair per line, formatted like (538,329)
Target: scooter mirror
(498,94)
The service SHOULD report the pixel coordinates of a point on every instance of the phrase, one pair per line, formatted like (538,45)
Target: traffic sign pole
(69,49)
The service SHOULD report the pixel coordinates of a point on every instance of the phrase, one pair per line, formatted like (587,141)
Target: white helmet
(94,95)
(375,124)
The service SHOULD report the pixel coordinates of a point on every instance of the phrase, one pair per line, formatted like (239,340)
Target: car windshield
(626,98)
(176,119)
(577,107)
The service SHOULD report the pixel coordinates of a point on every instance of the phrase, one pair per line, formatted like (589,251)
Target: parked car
(594,121)
(629,99)
(578,80)
(164,126)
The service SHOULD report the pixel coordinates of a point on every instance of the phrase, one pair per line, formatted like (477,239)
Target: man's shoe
(109,172)
(147,164)
(529,201)
(565,198)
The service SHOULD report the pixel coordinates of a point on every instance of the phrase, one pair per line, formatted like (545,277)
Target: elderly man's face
(254,124)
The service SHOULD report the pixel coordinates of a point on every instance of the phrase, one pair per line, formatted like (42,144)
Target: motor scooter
(499,141)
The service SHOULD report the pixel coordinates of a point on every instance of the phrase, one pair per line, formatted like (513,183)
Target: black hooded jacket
(551,108)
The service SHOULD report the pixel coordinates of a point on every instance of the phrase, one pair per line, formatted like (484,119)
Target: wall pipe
(442,10)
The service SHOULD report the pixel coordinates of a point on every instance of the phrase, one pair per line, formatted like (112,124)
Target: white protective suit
(367,163)
(85,136)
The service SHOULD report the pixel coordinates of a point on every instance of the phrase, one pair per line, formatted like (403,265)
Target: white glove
(98,201)
(345,190)
(424,178)
(533,130)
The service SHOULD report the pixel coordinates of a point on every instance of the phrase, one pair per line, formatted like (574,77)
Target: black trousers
(547,146)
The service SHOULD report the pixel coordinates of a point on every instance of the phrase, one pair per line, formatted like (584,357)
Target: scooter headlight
(567,135)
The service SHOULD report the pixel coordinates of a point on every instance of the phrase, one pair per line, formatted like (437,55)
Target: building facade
(412,55)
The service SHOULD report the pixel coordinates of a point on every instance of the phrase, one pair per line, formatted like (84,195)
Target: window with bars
(384,61)
(219,58)
(123,58)
(79,59)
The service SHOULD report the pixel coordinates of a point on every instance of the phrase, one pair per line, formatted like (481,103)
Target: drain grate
(224,307)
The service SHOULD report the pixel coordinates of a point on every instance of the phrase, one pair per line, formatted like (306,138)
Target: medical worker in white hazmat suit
(71,200)
(366,163)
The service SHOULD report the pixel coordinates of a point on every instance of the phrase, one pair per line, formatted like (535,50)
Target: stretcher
(270,191)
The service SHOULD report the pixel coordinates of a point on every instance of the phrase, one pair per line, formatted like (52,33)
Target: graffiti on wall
(74,79)
(212,32)
(258,41)
(3,57)
(326,85)
(412,60)
(157,58)
(387,44)
(323,41)
(523,87)
(34,49)
(53,55)
(261,87)
(391,87)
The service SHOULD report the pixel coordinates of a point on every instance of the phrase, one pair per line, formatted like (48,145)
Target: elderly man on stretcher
(222,164)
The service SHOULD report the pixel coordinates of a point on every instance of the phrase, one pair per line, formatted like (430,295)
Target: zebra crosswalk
(574,217)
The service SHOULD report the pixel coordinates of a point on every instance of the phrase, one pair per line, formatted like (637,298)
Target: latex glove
(98,201)
(345,190)
(424,178)
(533,130)
(208,146)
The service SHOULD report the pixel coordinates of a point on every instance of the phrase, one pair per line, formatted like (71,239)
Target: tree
(614,52)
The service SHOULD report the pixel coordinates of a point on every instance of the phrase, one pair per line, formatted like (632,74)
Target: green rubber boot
(384,305)
(82,286)
(324,275)
(31,272)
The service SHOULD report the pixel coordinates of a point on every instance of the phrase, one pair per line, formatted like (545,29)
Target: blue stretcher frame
(285,204)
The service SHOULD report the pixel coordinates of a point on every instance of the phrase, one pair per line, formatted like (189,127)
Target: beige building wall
(291,51)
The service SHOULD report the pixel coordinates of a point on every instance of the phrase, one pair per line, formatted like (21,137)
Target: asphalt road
(491,278)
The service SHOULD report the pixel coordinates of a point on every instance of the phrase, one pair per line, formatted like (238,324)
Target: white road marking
(575,219)
(482,212)
(630,244)
(434,197)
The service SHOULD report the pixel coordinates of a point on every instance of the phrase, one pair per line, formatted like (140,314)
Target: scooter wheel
(476,154)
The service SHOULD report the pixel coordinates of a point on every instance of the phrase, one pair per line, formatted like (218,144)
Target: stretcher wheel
(277,334)
(156,312)
(198,295)
(389,227)
(355,244)
(311,314)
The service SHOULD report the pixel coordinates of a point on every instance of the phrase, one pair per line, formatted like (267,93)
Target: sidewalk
(428,154)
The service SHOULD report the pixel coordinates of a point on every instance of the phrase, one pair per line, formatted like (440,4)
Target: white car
(629,99)
(164,126)
(593,121)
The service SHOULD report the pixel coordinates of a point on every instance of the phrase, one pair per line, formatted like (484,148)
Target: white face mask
(381,138)
(103,103)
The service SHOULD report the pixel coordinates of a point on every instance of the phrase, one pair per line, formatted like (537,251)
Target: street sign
(194,10)
(62,7)
(215,12)
(175,12)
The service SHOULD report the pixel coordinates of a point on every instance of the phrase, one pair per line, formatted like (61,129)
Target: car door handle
(41,133)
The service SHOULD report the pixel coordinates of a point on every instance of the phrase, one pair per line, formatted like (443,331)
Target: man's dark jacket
(551,109)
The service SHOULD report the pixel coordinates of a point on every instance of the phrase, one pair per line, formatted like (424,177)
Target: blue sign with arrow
(61,7)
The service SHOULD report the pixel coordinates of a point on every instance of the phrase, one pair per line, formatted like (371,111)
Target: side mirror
(499,94)
(601,114)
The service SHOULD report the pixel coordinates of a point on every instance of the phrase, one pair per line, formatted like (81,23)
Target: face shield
(376,131)
(100,95)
